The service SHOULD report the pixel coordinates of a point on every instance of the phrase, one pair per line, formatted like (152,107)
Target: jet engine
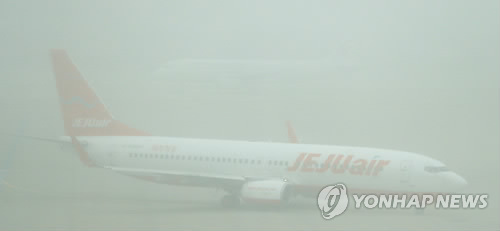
(266,191)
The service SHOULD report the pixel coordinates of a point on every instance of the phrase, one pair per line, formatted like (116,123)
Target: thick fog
(416,76)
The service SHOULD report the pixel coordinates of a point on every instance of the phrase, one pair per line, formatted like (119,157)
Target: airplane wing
(61,140)
(183,178)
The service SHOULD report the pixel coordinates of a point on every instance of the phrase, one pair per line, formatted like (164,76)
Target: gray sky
(429,61)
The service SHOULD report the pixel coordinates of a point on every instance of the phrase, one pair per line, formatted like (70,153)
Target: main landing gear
(230,201)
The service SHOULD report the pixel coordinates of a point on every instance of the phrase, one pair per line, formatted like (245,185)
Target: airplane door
(109,158)
(405,172)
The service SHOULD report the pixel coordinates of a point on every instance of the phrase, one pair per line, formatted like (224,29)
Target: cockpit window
(433,169)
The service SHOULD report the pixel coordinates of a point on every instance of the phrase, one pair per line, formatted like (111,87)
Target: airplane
(248,171)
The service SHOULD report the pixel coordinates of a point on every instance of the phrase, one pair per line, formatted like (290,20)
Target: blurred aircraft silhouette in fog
(247,171)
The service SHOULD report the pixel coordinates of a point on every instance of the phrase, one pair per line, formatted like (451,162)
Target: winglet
(292,138)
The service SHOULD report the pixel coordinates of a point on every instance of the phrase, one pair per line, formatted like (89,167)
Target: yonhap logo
(333,200)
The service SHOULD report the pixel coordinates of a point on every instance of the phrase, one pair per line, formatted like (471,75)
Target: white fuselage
(254,168)
(307,165)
